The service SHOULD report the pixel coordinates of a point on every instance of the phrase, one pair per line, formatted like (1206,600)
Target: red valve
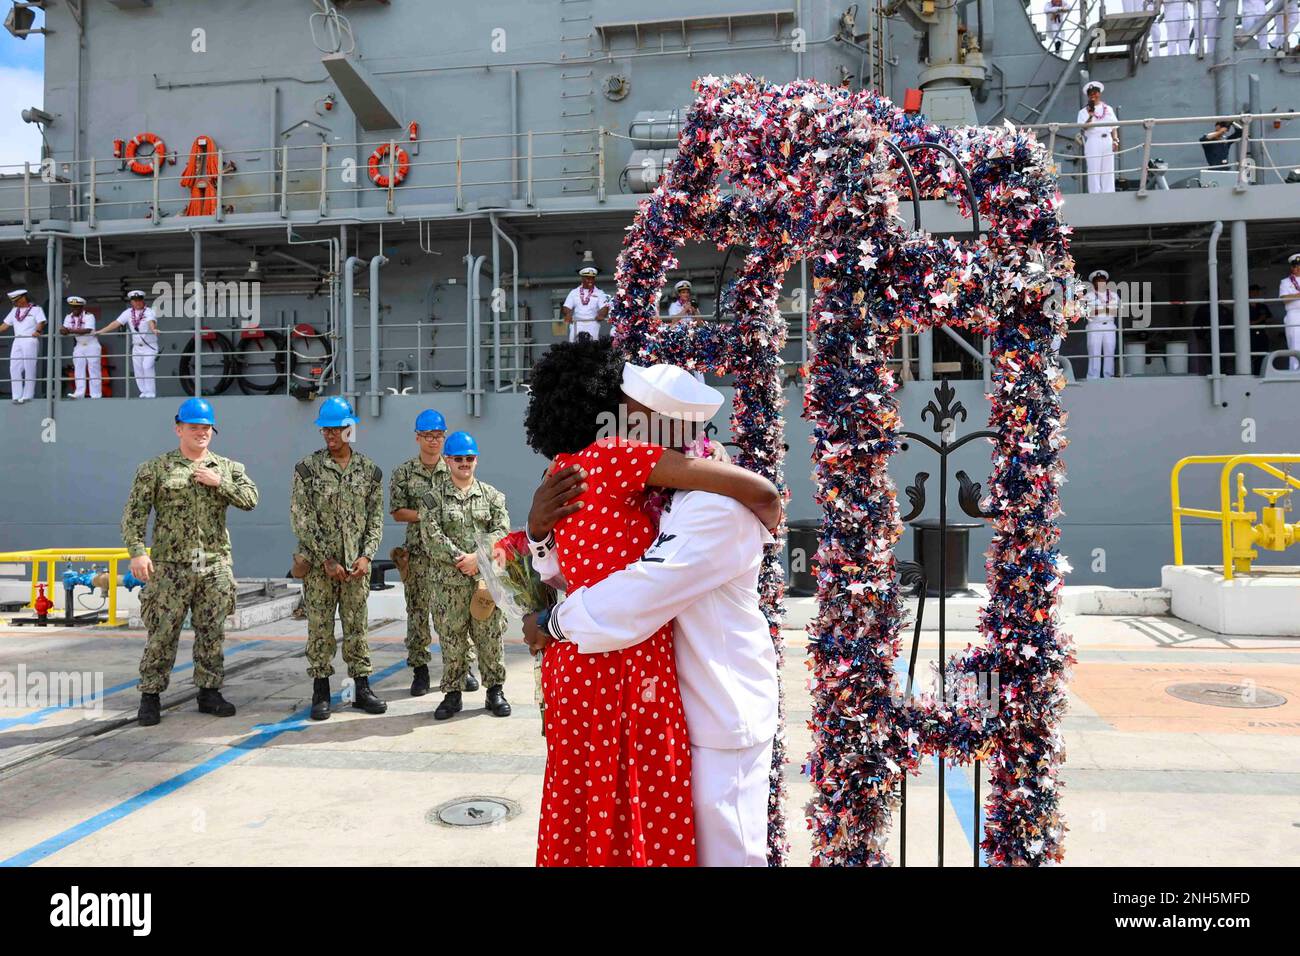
(413,131)
(42,604)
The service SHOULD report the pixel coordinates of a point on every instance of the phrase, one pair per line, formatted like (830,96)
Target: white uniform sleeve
(708,544)
(571,299)
(546,562)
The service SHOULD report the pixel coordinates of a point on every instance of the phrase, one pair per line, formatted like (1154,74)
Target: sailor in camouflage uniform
(188,490)
(452,516)
(410,482)
(337,512)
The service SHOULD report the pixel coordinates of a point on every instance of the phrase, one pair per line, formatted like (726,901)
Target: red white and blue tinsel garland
(812,175)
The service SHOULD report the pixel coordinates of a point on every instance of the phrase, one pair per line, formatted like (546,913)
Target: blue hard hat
(335,412)
(430,420)
(460,443)
(196,411)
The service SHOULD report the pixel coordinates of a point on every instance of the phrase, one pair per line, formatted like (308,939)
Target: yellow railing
(1239,533)
(49,557)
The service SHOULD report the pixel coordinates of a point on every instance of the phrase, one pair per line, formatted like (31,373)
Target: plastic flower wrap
(506,567)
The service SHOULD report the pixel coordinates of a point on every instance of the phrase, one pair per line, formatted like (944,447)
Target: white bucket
(1135,358)
(1176,358)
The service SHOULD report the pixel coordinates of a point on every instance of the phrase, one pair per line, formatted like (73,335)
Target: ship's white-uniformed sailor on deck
(1103,316)
(86,352)
(1289,293)
(682,304)
(701,573)
(586,306)
(1179,17)
(139,319)
(1099,142)
(1055,11)
(28,322)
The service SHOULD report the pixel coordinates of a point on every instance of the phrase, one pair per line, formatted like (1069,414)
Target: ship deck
(1149,779)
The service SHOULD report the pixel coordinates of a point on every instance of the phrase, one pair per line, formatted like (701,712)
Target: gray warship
(390,199)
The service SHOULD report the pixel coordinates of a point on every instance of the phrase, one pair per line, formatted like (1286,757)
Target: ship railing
(430,355)
(1141,168)
(1190,38)
(448,170)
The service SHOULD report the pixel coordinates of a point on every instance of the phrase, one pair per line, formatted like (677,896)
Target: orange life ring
(403,166)
(139,166)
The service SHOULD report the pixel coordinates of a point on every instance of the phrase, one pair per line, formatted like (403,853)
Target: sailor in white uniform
(1289,293)
(143,326)
(1103,314)
(1252,11)
(86,353)
(1099,142)
(1178,27)
(1209,25)
(701,573)
(682,304)
(1055,11)
(1285,25)
(28,322)
(586,306)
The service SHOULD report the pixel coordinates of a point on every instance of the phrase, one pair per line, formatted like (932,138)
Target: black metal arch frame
(900,153)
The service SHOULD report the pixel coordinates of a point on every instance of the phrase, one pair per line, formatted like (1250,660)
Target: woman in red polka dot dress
(618,762)
(618,769)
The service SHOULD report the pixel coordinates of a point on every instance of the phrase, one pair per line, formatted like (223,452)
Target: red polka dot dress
(618,760)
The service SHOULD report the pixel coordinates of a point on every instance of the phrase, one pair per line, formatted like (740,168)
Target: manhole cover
(1227,695)
(473,811)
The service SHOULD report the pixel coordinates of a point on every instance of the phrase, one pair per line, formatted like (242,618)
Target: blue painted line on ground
(958,791)
(36,716)
(267,732)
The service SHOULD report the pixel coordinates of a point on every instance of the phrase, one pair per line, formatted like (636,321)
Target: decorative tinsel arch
(818,171)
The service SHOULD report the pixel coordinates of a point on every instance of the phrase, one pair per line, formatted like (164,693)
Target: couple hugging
(658,671)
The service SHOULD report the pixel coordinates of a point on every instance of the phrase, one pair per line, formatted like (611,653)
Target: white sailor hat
(683,284)
(76,300)
(17,292)
(587,271)
(1097,85)
(135,294)
(671,391)
(1292,261)
(1098,272)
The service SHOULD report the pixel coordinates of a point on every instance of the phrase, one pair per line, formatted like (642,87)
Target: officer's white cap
(135,294)
(1097,85)
(671,391)
(1293,260)
(17,292)
(587,271)
(1098,274)
(76,300)
(683,284)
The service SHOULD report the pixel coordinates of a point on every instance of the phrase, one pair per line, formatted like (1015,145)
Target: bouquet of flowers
(506,567)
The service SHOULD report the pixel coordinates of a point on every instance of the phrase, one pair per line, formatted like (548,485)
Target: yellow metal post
(112,592)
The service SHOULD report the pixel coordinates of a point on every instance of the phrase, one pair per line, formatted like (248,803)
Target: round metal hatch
(473,811)
(1247,696)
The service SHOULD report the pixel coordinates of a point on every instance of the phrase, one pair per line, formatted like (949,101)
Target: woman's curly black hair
(574,385)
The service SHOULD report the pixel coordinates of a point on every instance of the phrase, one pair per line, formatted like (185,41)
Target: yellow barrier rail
(1239,532)
(49,557)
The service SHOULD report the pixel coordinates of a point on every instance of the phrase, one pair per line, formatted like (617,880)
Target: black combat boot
(497,705)
(450,705)
(420,685)
(471,682)
(364,698)
(211,702)
(320,698)
(150,711)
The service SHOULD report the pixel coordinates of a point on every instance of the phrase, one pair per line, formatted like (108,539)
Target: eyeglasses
(431,436)
(461,459)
